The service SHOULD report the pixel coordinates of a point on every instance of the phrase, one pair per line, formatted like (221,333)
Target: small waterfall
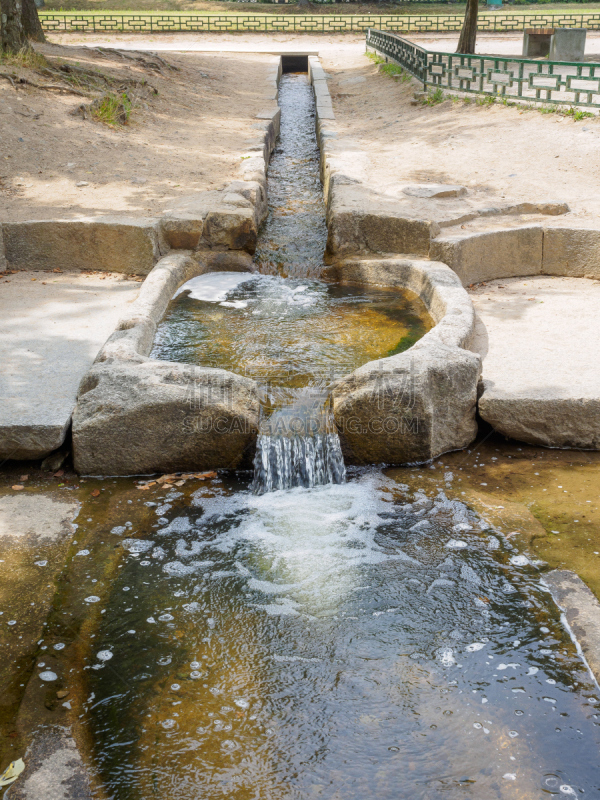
(298,445)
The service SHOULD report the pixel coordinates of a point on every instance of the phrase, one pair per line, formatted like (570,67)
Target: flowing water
(241,639)
(284,328)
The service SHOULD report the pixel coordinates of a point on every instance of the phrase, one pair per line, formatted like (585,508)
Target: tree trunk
(468,34)
(12,35)
(31,22)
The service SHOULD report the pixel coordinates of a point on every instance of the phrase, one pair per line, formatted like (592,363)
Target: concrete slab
(51,328)
(537,337)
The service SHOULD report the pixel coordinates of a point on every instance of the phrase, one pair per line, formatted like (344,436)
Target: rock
(572,251)
(434,190)
(483,256)
(582,611)
(55,460)
(82,183)
(53,769)
(115,244)
(362,220)
(417,405)
(408,408)
(163,417)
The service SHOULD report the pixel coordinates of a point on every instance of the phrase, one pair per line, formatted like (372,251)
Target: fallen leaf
(24,478)
(59,474)
(95,492)
(179,483)
(62,694)
(204,475)
(12,772)
(17,487)
(140,486)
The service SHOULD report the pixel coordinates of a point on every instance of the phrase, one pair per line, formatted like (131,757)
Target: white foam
(214,286)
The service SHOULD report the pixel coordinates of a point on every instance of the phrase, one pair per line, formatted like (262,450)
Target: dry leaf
(24,478)
(59,474)
(203,475)
(95,492)
(17,487)
(141,486)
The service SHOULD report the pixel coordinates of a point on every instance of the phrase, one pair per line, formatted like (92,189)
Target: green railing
(496,76)
(295,23)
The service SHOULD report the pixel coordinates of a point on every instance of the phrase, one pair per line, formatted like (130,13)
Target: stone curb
(136,415)
(417,405)
(581,611)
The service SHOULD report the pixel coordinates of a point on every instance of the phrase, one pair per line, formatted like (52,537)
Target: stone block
(158,416)
(567,44)
(362,221)
(408,408)
(536,42)
(114,244)
(573,252)
(582,611)
(234,228)
(478,257)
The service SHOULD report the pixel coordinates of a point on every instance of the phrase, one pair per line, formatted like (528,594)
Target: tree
(12,35)
(468,34)
(31,21)
(19,23)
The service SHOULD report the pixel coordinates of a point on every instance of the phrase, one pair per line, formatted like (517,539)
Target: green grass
(434,97)
(112,109)
(489,100)
(393,70)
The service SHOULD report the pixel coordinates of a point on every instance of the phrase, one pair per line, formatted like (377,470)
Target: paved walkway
(51,329)
(538,337)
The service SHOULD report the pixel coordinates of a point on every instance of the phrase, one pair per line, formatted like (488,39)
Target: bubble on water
(83,553)
(104,655)
(533,671)
(229,745)
(59,646)
(48,676)
(192,607)
(175,687)
(119,530)
(445,656)
(241,703)
(151,620)
(456,544)
(177,569)
(126,589)
(507,666)
(473,648)
(519,561)
(195,665)
(92,599)
(183,551)
(564,788)
(545,630)
(551,680)
(164,661)
(477,725)
(513,734)
(549,699)
(462,526)
(509,776)
(137,545)
(145,563)
(469,574)
(40,563)
(166,617)
(168,724)
(195,674)
(12,621)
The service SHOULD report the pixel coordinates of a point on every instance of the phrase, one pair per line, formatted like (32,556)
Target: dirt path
(188,137)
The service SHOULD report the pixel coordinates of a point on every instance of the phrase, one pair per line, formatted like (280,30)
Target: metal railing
(296,23)
(497,76)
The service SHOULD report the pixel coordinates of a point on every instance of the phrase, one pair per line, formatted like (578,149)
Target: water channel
(376,636)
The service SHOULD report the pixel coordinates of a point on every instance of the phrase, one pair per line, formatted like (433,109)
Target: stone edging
(414,406)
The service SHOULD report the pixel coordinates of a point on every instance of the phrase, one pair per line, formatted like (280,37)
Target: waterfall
(298,445)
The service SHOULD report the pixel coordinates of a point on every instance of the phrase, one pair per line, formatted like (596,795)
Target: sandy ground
(538,335)
(501,154)
(51,328)
(189,137)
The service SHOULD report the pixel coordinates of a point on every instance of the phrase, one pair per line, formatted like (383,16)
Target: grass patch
(112,109)
(433,98)
(26,58)
(489,100)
